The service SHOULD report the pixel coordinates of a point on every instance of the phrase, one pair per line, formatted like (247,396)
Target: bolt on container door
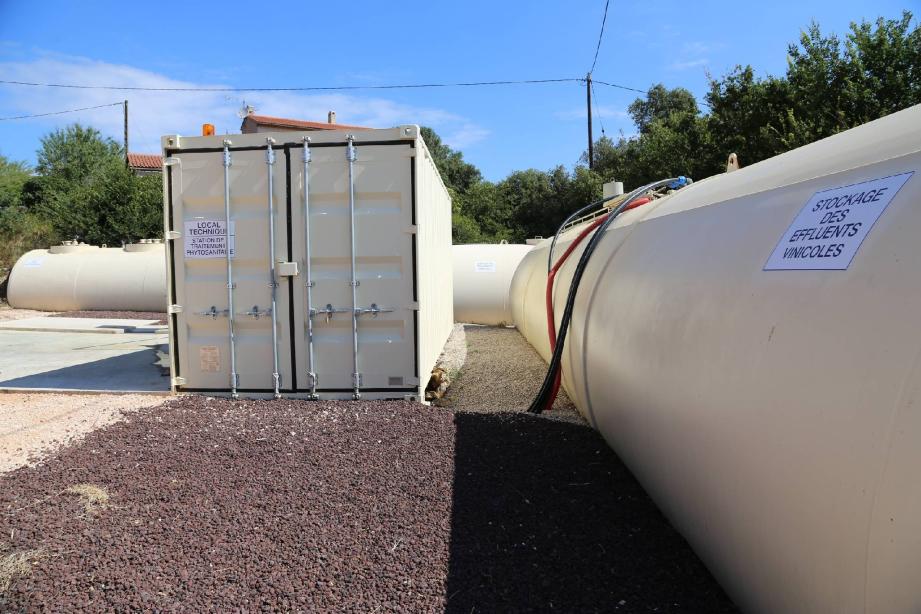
(384,268)
(196,190)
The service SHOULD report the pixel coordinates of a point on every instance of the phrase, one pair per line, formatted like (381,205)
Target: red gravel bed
(355,507)
(118,315)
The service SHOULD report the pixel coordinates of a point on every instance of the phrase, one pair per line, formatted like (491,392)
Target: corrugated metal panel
(435,275)
(401,229)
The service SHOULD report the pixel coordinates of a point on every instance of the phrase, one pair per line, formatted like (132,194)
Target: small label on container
(209,358)
(831,226)
(33,263)
(484,266)
(207,239)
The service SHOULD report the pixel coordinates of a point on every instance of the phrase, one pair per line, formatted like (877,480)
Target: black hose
(543,394)
(571,217)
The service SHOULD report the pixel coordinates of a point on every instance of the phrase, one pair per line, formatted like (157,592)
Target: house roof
(281,122)
(145,161)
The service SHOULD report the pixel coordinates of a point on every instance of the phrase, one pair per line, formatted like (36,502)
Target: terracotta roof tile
(145,161)
(281,122)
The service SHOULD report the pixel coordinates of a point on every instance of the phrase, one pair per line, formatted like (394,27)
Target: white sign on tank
(829,229)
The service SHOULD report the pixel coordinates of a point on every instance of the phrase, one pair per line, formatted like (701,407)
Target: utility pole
(126,132)
(588,100)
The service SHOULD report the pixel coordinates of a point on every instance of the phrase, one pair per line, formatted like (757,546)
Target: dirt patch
(15,565)
(8,313)
(94,498)
(160,317)
(342,506)
(33,425)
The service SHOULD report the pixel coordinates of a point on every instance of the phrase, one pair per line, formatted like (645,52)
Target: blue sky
(500,129)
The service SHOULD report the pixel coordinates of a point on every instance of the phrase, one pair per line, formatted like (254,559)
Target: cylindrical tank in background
(75,276)
(774,415)
(482,277)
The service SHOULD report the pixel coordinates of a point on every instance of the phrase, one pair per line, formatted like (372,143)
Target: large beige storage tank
(482,278)
(74,276)
(339,285)
(750,347)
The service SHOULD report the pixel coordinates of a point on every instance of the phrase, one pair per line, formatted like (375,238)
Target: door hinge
(178,381)
(173,234)
(174,309)
(411,229)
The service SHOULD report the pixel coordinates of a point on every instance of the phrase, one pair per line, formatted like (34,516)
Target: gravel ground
(32,426)
(501,372)
(455,352)
(118,315)
(211,505)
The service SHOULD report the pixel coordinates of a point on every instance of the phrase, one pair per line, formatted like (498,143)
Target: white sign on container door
(207,239)
(830,228)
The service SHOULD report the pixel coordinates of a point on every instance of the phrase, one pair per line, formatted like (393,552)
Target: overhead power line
(289,89)
(600,36)
(600,120)
(111,104)
(620,87)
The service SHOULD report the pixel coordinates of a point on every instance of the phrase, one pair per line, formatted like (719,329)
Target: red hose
(551,323)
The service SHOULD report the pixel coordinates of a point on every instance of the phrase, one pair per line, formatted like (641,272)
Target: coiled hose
(547,392)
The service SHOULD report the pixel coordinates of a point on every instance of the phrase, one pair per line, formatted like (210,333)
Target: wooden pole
(126,132)
(588,100)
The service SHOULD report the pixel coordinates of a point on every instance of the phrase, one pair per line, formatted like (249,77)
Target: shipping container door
(197,204)
(384,257)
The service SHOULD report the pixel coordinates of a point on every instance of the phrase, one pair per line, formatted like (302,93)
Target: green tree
(13,176)
(674,139)
(538,201)
(455,171)
(828,87)
(86,192)
(75,155)
(883,68)
(660,104)
(20,230)
(752,117)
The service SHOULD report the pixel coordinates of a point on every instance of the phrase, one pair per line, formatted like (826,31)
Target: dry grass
(16,564)
(94,498)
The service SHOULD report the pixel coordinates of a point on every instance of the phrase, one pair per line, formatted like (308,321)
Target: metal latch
(213,313)
(329,310)
(256,313)
(374,310)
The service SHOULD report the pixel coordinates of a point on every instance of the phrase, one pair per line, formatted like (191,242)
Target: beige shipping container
(336,287)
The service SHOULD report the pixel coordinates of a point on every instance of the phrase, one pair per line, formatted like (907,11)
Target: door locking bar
(273,280)
(213,313)
(256,313)
(351,154)
(374,310)
(308,272)
(329,310)
(234,376)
